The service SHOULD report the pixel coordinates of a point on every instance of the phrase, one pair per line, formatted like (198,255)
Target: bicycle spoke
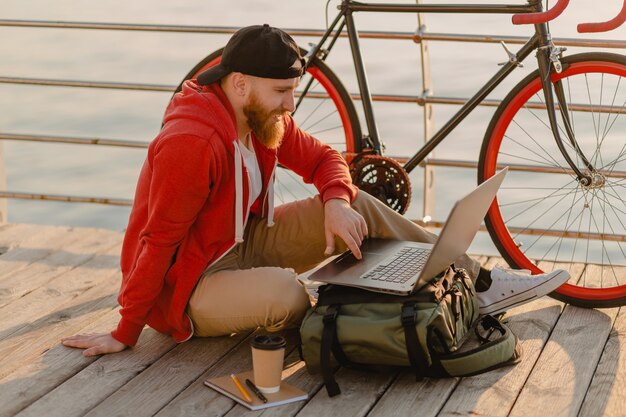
(604,131)
(567,221)
(312,112)
(530,208)
(547,125)
(588,231)
(599,112)
(604,247)
(617,197)
(576,240)
(607,128)
(619,159)
(313,133)
(297,180)
(311,126)
(593,118)
(555,222)
(543,122)
(620,222)
(617,115)
(537,218)
(532,199)
(598,141)
(532,151)
(604,250)
(619,244)
(283,187)
(532,160)
(303,123)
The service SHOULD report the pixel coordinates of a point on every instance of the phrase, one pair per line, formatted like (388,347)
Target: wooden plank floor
(58,281)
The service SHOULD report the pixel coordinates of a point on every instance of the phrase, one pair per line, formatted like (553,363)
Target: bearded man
(205,252)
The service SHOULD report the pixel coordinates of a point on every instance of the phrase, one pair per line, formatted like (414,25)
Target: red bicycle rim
(495,216)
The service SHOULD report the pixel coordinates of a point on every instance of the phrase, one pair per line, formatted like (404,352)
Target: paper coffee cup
(268,353)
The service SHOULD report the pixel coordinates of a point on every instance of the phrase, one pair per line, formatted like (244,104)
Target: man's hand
(343,221)
(94,344)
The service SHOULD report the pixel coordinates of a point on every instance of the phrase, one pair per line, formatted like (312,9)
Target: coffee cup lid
(268,342)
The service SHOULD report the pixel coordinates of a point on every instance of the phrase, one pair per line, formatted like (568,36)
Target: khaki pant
(255,285)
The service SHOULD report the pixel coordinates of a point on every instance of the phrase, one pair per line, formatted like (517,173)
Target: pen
(256,390)
(241,388)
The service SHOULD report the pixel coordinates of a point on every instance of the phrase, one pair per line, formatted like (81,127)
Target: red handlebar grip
(542,17)
(604,26)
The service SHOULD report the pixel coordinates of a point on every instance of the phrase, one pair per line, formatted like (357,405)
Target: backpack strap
(491,354)
(414,350)
(330,343)
(329,338)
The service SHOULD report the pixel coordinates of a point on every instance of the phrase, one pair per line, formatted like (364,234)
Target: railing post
(429,122)
(3,187)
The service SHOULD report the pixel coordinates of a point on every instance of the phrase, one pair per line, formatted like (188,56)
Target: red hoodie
(189,206)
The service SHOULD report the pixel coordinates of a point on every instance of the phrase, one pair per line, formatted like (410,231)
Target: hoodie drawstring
(238,193)
(270,197)
(239,207)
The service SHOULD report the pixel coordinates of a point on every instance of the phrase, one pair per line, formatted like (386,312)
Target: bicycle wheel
(326,112)
(542,213)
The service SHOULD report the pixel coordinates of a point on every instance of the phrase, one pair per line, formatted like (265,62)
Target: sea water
(393,67)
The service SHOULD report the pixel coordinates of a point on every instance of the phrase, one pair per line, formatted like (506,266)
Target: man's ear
(239,83)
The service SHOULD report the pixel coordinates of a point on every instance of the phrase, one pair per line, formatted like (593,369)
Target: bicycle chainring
(385,179)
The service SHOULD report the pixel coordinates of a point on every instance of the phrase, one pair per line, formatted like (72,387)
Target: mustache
(280,113)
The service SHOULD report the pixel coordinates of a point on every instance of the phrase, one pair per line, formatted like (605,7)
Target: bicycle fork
(548,56)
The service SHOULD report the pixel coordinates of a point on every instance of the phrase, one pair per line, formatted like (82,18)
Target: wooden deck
(57,281)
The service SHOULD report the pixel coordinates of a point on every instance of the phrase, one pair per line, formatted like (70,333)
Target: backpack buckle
(490,324)
(332,312)
(407,316)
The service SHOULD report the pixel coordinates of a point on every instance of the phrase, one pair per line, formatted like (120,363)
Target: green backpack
(435,331)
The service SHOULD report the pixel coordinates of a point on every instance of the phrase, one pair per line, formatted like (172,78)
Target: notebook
(401,267)
(225,385)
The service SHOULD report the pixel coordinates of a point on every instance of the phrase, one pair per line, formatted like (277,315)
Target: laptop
(401,267)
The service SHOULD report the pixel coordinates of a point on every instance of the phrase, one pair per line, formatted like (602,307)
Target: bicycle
(565,151)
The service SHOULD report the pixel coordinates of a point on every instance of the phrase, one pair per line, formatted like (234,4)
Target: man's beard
(266,129)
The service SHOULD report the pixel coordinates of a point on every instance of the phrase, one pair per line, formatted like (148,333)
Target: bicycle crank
(385,179)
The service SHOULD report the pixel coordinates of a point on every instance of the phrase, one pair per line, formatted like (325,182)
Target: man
(205,253)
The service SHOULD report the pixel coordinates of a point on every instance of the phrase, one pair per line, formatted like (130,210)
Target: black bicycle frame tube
(439,8)
(471,104)
(366,97)
(314,53)
(540,41)
(348,7)
(560,97)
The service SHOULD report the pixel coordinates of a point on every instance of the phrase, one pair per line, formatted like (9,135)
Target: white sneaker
(513,287)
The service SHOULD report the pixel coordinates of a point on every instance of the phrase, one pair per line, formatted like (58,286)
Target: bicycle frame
(540,41)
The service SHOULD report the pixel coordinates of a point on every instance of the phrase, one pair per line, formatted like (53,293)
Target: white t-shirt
(254,172)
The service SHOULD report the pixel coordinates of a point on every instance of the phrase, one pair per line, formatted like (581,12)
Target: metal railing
(419,36)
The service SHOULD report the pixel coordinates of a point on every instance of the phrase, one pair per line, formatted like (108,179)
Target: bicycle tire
(289,187)
(539,200)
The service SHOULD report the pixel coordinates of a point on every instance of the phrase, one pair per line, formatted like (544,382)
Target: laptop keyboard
(400,267)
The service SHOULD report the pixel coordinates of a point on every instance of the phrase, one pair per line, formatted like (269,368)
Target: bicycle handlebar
(541,17)
(557,9)
(604,26)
